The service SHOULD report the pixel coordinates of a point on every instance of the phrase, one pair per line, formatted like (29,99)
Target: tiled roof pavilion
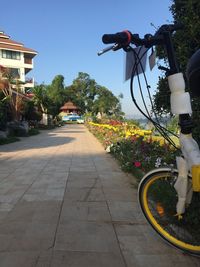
(69,107)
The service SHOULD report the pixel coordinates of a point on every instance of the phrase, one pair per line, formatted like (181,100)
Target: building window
(14,73)
(11,54)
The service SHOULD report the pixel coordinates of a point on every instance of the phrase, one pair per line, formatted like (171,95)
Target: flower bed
(136,150)
(111,133)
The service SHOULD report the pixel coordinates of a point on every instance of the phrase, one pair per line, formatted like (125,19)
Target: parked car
(73,117)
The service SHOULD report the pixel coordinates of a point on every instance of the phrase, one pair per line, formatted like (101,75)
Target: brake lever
(112,47)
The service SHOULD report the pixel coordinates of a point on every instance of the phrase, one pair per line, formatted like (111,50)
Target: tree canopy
(186,42)
(84,92)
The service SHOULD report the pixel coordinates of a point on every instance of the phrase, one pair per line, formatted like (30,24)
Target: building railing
(29,80)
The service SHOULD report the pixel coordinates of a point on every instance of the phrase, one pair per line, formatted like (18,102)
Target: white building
(18,59)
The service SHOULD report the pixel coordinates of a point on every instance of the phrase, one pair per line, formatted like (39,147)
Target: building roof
(68,106)
(9,44)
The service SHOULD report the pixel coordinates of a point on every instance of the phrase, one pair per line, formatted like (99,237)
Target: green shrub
(8,140)
(138,156)
(135,154)
(33,131)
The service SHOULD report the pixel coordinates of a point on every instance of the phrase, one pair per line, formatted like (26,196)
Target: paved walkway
(65,202)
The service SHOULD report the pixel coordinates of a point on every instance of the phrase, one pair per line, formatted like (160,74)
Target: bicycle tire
(158,198)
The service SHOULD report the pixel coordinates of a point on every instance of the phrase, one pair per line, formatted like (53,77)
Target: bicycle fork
(190,162)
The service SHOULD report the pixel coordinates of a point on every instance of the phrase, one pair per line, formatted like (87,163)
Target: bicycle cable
(161,129)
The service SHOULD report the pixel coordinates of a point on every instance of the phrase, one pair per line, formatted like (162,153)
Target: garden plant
(135,149)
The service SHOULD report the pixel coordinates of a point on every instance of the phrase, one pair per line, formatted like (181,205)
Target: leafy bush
(136,150)
(7,140)
(33,131)
(45,127)
(138,156)
(16,128)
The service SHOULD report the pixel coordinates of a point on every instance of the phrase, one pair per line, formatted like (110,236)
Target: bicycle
(169,197)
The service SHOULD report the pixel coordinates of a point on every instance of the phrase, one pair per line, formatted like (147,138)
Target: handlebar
(161,37)
(124,38)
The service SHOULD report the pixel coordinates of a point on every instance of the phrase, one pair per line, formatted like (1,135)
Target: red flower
(137,164)
(133,138)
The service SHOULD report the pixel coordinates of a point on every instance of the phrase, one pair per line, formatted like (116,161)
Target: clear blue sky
(67,35)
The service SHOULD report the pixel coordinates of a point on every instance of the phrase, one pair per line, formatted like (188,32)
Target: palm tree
(40,98)
(14,97)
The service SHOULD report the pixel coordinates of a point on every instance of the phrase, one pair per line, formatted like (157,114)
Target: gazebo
(70,108)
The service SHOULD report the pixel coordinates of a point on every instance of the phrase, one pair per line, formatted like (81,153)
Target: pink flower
(137,164)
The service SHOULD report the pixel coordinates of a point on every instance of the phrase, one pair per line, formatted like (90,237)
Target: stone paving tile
(48,195)
(15,179)
(6,207)
(44,212)
(84,194)
(84,211)
(49,169)
(3,215)
(18,259)
(47,188)
(27,236)
(133,240)
(124,211)
(118,194)
(44,259)
(86,174)
(141,247)
(167,260)
(86,237)
(114,180)
(86,259)
(82,182)
(82,168)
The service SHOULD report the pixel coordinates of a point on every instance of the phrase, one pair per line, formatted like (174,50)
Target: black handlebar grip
(123,38)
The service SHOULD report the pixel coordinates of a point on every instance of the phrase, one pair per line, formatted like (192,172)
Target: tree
(12,95)
(162,96)
(40,98)
(56,94)
(31,113)
(3,111)
(106,103)
(92,97)
(82,92)
(186,43)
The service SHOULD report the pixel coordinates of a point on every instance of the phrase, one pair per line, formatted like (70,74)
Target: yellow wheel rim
(157,226)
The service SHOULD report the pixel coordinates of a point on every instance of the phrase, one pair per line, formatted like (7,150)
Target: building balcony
(29,82)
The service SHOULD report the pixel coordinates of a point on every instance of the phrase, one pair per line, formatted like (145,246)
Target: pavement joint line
(111,222)
(117,238)
(61,208)
(90,189)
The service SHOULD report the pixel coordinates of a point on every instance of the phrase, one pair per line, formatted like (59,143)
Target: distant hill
(134,117)
(144,122)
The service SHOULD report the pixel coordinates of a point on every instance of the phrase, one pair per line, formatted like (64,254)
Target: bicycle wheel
(158,198)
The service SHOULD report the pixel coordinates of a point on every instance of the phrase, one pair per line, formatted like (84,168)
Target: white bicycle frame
(181,104)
